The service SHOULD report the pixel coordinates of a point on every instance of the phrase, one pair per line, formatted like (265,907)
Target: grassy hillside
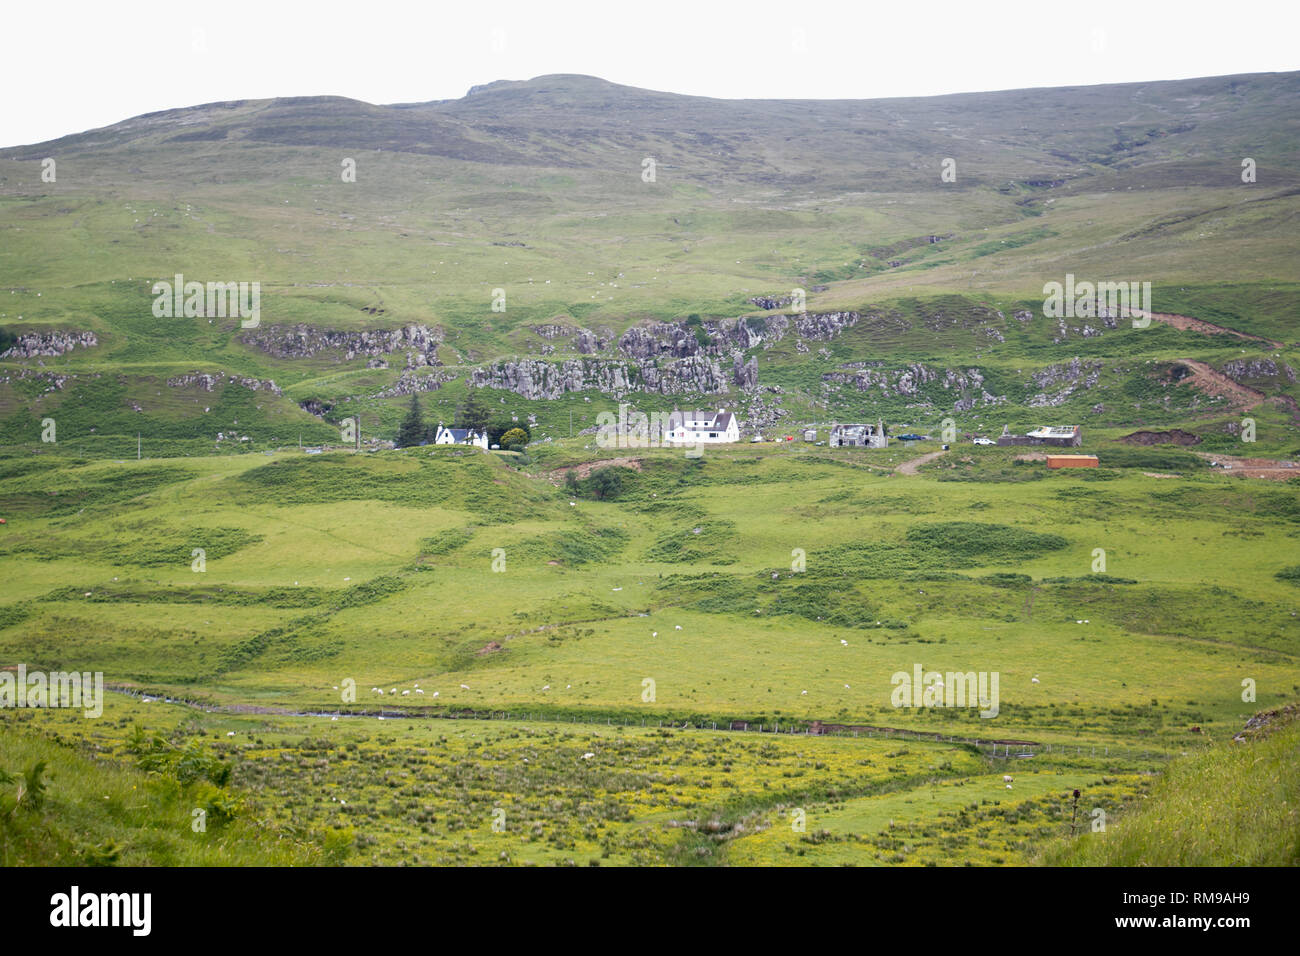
(1232,806)
(61,807)
(535,189)
(587,655)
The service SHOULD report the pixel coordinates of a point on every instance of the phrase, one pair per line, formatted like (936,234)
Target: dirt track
(1207,328)
(1213,382)
(909,467)
(1254,467)
(586,468)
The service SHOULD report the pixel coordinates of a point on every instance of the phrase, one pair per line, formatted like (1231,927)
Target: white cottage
(708,427)
(460,436)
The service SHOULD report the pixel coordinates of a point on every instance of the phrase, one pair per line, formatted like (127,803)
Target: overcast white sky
(72,66)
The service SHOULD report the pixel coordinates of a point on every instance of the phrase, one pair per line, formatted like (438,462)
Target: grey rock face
(32,344)
(1056,383)
(209,382)
(420,342)
(910,381)
(1239,369)
(534,379)
(410,382)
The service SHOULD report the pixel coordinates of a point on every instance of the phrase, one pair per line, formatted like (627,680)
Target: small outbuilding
(1072,461)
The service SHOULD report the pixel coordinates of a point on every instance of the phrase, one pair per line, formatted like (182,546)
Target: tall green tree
(474,413)
(411,431)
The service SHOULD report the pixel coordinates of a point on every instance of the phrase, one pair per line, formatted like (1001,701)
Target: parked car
(983,441)
(911,438)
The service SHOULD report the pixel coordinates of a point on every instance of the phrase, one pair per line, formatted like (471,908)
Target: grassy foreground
(1237,804)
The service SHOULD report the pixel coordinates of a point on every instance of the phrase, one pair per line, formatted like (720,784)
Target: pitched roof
(715,421)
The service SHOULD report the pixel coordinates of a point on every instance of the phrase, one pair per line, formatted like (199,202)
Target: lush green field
(442,655)
(378,569)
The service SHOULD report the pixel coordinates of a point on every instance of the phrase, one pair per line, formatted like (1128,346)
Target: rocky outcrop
(208,382)
(552,331)
(411,382)
(643,342)
(918,382)
(534,379)
(823,325)
(53,381)
(1240,370)
(771,301)
(420,342)
(1056,383)
(32,344)
(588,343)
(745,374)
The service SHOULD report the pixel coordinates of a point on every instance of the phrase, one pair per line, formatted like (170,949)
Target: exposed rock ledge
(420,342)
(33,344)
(209,382)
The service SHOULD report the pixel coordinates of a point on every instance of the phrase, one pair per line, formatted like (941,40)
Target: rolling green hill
(532,194)
(591,655)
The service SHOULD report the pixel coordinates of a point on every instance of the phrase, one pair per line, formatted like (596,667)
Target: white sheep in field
(464,686)
(406,693)
(1006,778)
(418,691)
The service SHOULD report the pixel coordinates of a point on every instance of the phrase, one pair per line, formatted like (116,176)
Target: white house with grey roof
(460,436)
(707,427)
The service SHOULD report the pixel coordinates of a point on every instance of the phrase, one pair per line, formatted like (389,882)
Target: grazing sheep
(1006,778)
